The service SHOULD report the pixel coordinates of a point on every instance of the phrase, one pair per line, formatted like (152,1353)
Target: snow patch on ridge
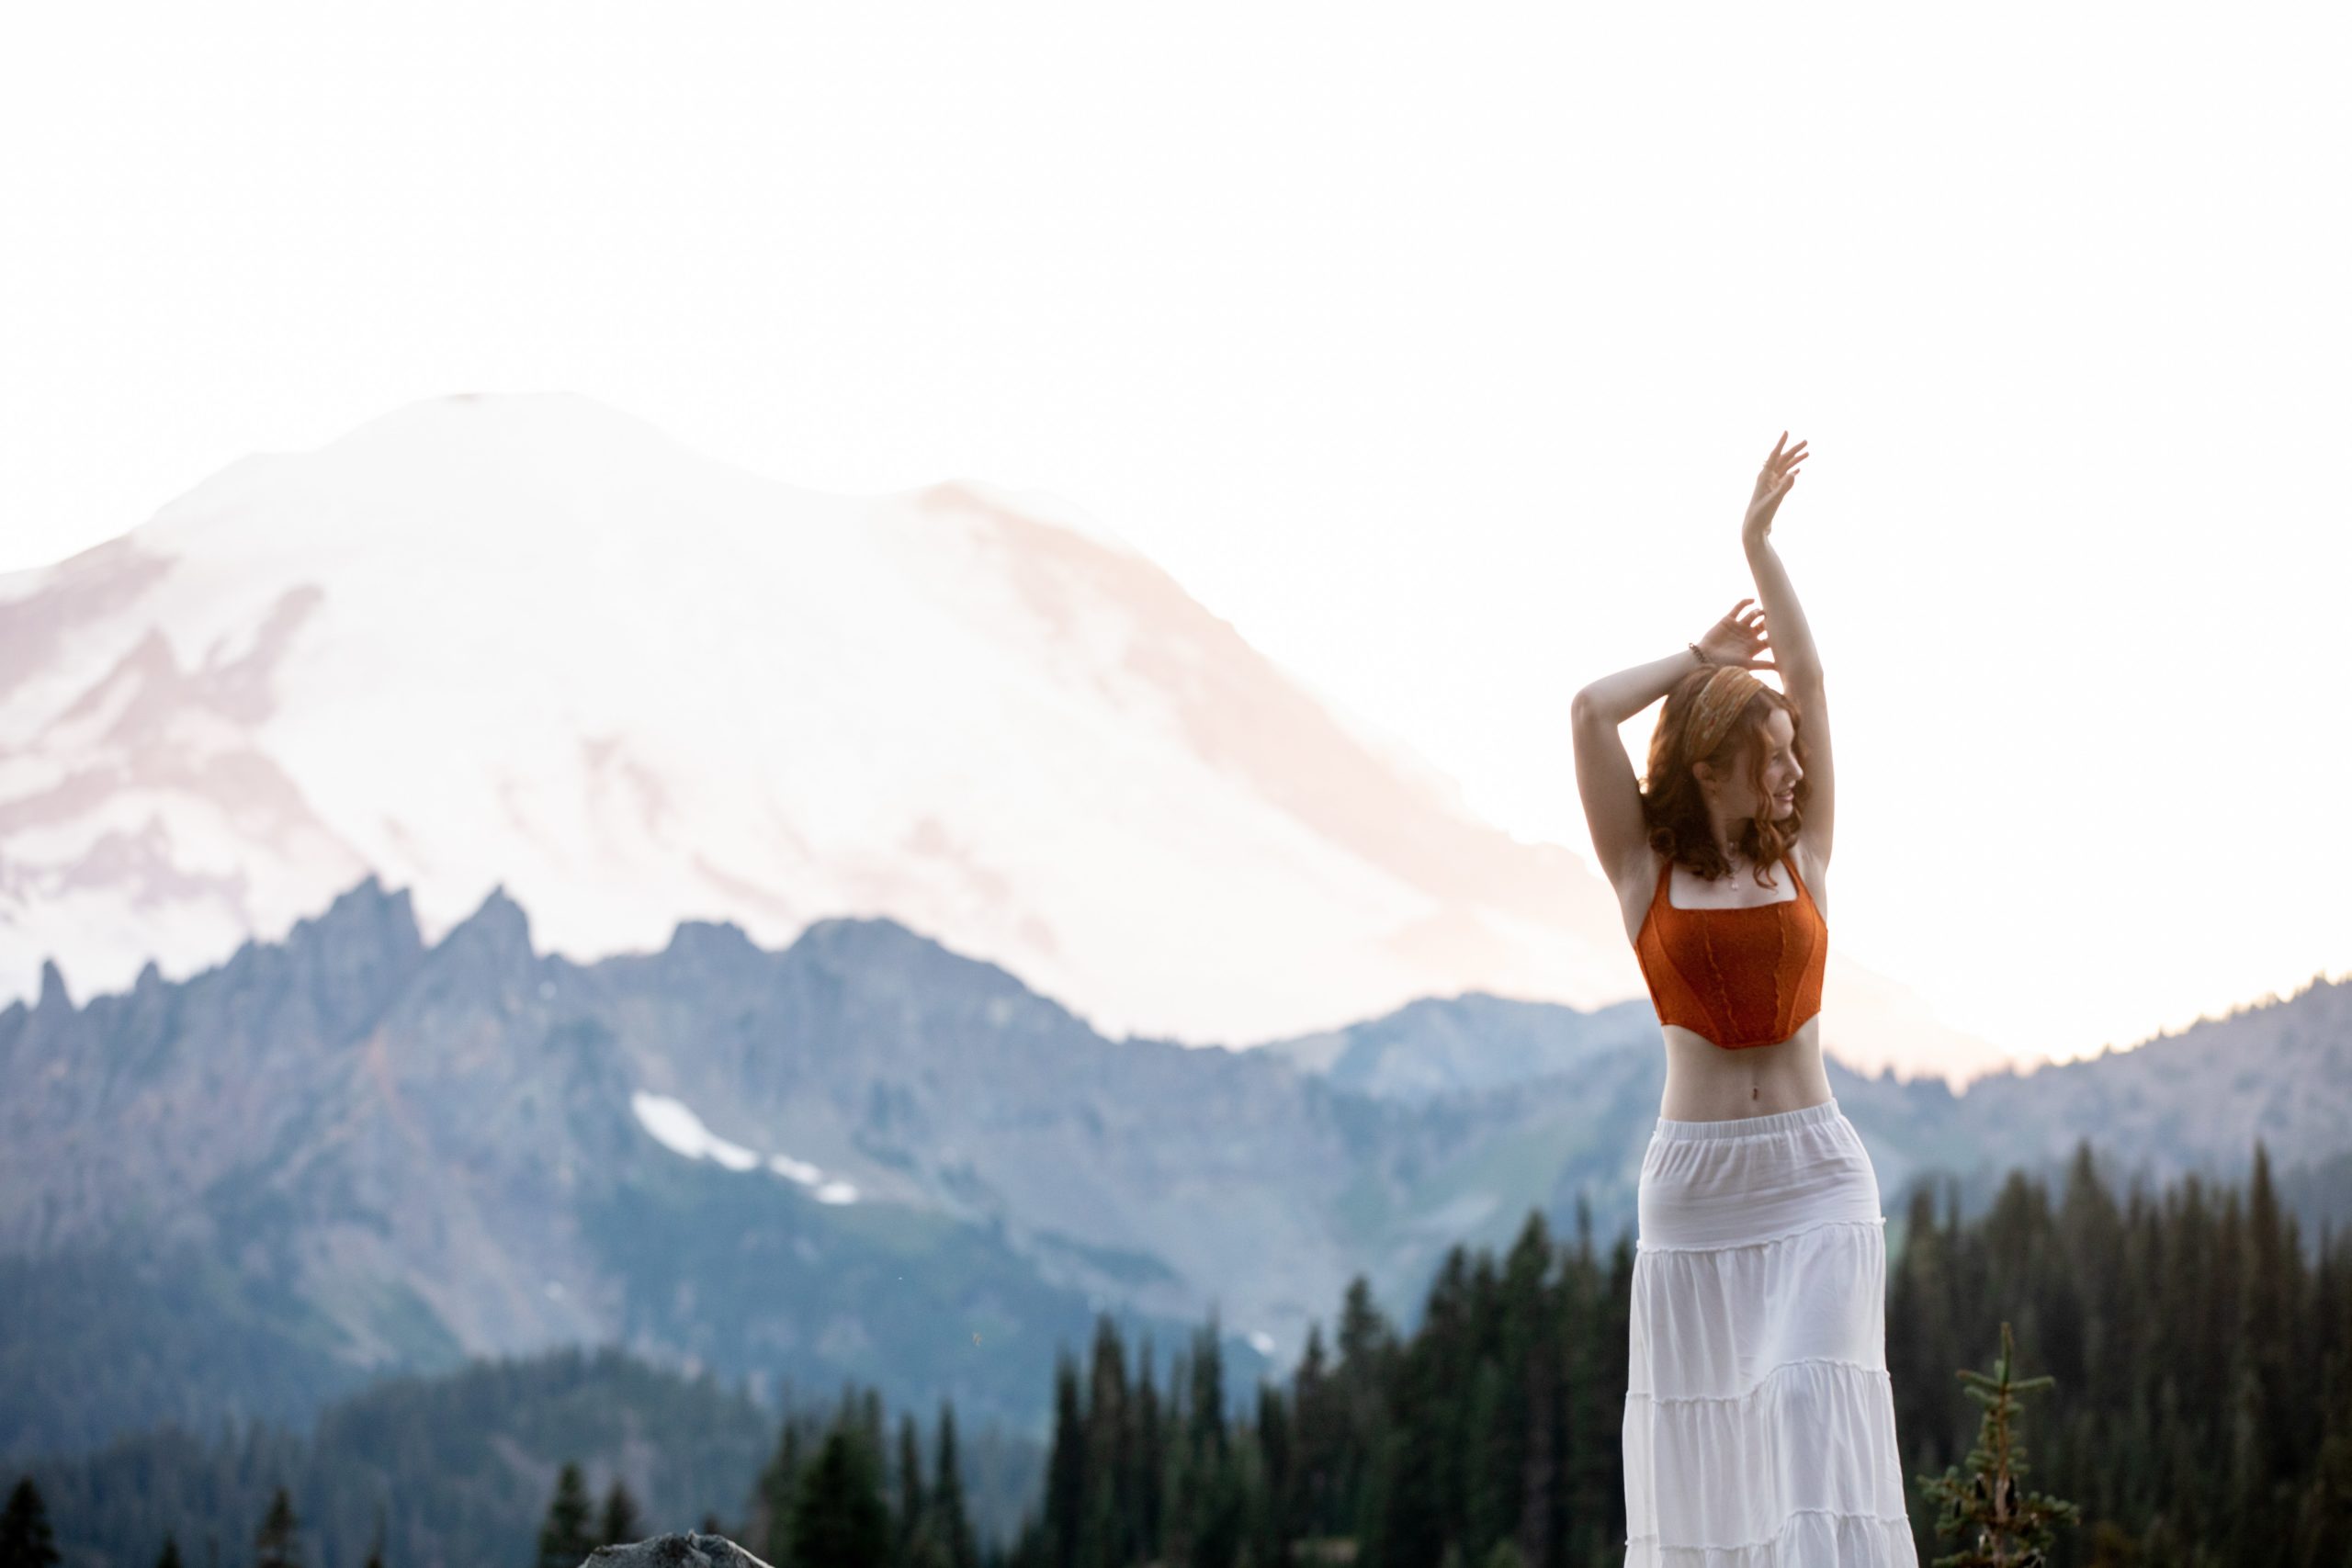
(673,1124)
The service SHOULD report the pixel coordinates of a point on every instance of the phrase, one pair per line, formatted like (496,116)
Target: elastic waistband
(1750,1126)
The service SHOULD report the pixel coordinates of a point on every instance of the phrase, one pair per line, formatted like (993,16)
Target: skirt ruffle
(1759,1419)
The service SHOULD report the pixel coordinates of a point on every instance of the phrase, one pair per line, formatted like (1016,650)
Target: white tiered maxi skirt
(1759,1419)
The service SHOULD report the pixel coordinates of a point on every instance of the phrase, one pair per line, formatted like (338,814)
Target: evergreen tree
(278,1544)
(171,1553)
(773,1495)
(913,1506)
(26,1541)
(1319,1446)
(1065,1467)
(1207,1402)
(564,1540)
(954,1531)
(1521,1448)
(1361,1383)
(1490,1503)
(841,1520)
(2011,1529)
(2269,1432)
(1272,1525)
(620,1524)
(2323,1523)
(1150,1458)
(1106,1507)
(1374,1546)
(1207,1501)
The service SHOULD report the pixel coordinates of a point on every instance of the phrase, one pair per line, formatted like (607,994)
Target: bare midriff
(1706,1083)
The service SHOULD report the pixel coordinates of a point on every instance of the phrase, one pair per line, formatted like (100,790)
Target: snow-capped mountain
(531,641)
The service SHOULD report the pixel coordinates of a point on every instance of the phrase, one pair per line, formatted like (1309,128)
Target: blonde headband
(1719,701)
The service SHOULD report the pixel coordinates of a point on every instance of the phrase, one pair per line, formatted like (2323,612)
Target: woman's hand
(1737,638)
(1773,482)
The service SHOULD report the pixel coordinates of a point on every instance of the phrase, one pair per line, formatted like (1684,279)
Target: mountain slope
(383,1156)
(530,642)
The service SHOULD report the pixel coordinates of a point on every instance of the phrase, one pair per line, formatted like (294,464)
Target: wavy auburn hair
(1676,807)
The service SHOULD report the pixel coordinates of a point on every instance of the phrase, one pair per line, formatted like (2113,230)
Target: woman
(1759,1420)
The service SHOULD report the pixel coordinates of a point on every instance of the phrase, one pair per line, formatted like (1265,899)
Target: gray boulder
(674,1551)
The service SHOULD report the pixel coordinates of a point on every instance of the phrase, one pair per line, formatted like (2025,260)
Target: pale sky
(1434,349)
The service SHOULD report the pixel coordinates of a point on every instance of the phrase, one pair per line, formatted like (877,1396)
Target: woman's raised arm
(1793,654)
(1792,649)
(1605,780)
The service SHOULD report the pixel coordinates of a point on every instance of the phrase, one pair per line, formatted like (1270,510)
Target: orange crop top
(1738,978)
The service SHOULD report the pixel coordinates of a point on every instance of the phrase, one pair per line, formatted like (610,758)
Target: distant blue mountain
(863,1156)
